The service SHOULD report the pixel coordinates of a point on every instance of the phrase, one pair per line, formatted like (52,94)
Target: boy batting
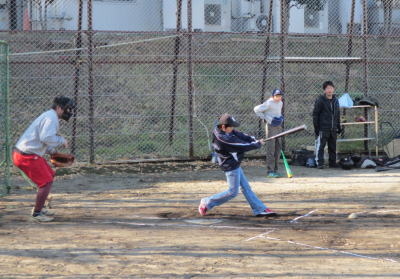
(230,146)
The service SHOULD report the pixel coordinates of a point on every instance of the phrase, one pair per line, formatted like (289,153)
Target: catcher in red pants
(40,138)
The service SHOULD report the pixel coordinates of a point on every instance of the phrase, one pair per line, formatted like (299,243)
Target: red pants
(35,167)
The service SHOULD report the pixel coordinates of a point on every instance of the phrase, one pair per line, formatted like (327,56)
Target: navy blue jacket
(326,114)
(230,148)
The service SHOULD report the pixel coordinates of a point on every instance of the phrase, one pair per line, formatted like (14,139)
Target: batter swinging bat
(288,132)
(287,167)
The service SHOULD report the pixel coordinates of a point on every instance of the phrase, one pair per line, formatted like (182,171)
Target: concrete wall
(169,14)
(136,15)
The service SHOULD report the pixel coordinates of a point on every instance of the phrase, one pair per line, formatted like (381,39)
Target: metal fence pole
(13,15)
(6,99)
(365,56)
(190,77)
(175,69)
(77,74)
(282,58)
(265,64)
(90,85)
(350,45)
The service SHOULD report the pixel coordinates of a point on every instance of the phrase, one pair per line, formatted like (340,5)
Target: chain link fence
(150,77)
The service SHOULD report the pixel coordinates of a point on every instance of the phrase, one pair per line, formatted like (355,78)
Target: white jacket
(269,109)
(42,135)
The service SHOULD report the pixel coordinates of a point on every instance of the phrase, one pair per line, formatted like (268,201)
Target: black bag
(299,157)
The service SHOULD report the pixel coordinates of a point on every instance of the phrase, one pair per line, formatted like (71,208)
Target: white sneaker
(45,211)
(48,212)
(42,218)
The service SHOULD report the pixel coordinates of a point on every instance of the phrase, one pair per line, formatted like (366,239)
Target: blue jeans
(235,179)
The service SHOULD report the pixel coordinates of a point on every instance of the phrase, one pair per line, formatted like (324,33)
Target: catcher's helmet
(66,104)
(346,163)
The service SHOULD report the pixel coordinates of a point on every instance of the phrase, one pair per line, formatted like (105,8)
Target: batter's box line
(262,235)
(320,248)
(302,216)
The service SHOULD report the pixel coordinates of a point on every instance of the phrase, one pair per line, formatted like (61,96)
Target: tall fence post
(90,85)
(350,45)
(5,86)
(282,59)
(190,77)
(77,74)
(175,69)
(265,62)
(365,58)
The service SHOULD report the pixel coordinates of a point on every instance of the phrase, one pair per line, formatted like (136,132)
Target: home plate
(203,221)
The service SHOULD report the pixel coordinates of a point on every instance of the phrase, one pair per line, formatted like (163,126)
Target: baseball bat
(377,169)
(288,132)
(287,167)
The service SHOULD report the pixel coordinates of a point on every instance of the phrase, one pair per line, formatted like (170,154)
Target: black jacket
(326,114)
(230,148)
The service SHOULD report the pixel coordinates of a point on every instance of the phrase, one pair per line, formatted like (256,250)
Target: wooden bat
(288,132)
(287,167)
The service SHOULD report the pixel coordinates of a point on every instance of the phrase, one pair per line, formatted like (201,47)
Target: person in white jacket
(271,112)
(39,138)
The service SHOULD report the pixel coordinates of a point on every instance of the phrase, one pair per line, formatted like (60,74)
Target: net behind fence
(146,87)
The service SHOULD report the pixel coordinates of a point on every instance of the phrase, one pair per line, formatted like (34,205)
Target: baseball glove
(62,160)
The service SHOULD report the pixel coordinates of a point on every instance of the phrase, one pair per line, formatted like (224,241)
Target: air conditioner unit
(212,14)
(217,15)
(247,16)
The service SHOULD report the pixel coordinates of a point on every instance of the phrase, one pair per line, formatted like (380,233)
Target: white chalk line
(322,248)
(378,211)
(179,225)
(385,211)
(305,215)
(154,218)
(261,235)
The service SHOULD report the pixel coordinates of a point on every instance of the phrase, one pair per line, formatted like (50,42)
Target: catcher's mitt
(62,160)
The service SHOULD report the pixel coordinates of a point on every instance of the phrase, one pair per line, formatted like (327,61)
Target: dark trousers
(323,138)
(273,147)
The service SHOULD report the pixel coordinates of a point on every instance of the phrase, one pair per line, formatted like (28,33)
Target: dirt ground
(141,221)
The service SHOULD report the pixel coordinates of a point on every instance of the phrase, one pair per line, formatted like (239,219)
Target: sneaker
(272,174)
(42,218)
(202,209)
(45,211)
(266,213)
(320,167)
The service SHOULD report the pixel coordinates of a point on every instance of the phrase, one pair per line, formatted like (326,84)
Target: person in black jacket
(326,119)
(230,146)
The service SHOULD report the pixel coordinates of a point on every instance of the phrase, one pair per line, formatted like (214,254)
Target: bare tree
(42,7)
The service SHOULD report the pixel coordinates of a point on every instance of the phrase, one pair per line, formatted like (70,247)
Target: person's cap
(276,92)
(229,120)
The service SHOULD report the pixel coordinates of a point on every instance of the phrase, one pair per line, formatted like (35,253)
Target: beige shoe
(42,218)
(45,211)
(48,212)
